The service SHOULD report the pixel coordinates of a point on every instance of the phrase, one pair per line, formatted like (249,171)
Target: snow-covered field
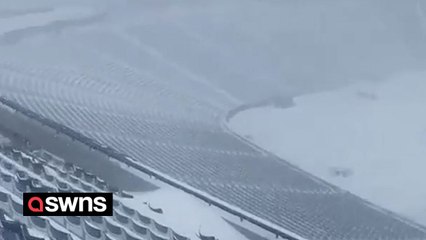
(374,132)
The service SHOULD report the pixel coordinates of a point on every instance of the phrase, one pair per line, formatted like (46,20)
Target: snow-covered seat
(205,237)
(38,168)
(116,203)
(97,220)
(4,201)
(61,173)
(74,180)
(8,166)
(39,223)
(7,180)
(156,237)
(73,224)
(59,219)
(57,234)
(12,225)
(128,211)
(16,154)
(49,177)
(69,167)
(36,186)
(145,220)
(27,235)
(10,235)
(121,218)
(78,172)
(141,230)
(128,236)
(178,237)
(109,237)
(91,232)
(62,186)
(162,229)
(75,220)
(21,185)
(17,212)
(89,177)
(22,175)
(17,207)
(26,162)
(113,229)
(83,179)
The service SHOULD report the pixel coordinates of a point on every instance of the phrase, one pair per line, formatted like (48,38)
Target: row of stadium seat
(17,178)
(230,171)
(14,230)
(154,94)
(136,126)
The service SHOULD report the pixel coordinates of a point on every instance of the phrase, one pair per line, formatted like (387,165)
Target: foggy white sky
(269,46)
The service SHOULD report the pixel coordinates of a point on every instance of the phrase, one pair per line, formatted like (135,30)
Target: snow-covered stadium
(134,99)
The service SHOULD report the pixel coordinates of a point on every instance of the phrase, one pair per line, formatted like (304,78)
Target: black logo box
(27,196)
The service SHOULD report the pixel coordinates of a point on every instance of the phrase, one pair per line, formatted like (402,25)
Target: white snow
(176,203)
(184,214)
(376,130)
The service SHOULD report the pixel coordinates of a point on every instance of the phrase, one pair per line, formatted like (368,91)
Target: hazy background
(280,46)
(268,47)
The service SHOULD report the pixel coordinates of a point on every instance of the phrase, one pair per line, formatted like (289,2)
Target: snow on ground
(183,213)
(187,215)
(374,131)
